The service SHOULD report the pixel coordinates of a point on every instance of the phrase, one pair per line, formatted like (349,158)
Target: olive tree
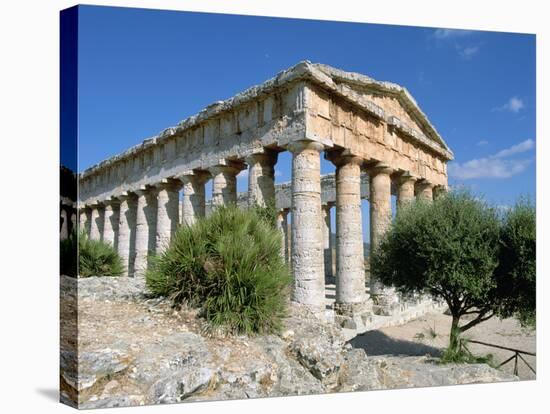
(449,249)
(516,271)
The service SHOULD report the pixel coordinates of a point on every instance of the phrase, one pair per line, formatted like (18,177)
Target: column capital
(112,201)
(126,195)
(96,204)
(226,167)
(423,183)
(379,168)
(193,176)
(144,190)
(339,158)
(266,156)
(404,176)
(301,145)
(169,184)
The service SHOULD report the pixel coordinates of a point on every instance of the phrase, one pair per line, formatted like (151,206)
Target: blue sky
(141,71)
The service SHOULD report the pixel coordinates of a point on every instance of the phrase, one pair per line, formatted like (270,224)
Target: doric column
(224,184)
(405,189)
(143,230)
(261,178)
(110,222)
(84,220)
(73,221)
(438,191)
(424,191)
(64,231)
(351,299)
(167,212)
(96,222)
(126,231)
(282,226)
(193,202)
(307,235)
(380,211)
(327,238)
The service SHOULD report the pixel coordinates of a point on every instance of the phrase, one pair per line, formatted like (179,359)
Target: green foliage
(459,249)
(267,213)
(516,273)
(68,255)
(96,258)
(229,264)
(448,248)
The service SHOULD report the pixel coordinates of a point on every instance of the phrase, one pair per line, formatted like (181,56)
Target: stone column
(307,235)
(96,222)
(438,191)
(224,184)
(288,238)
(380,212)
(261,178)
(193,203)
(167,213)
(351,299)
(282,227)
(73,221)
(64,232)
(126,231)
(84,220)
(142,231)
(110,222)
(424,191)
(327,238)
(405,190)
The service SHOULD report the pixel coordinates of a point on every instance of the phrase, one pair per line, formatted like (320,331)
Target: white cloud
(494,166)
(514,104)
(468,52)
(482,143)
(487,168)
(523,146)
(451,33)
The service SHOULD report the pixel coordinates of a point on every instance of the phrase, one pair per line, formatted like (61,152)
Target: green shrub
(229,264)
(96,258)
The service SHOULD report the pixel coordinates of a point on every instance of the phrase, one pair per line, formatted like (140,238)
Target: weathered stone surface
(149,353)
(108,288)
(92,366)
(406,372)
(307,235)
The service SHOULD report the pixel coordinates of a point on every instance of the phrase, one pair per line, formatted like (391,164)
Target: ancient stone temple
(374,133)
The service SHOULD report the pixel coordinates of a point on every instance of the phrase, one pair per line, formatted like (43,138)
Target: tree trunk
(454,340)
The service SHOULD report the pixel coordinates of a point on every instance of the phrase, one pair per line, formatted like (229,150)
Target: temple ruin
(374,133)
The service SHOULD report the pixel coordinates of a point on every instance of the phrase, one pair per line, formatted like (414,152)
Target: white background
(29,134)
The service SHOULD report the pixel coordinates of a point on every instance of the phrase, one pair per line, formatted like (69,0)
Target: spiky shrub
(229,265)
(97,258)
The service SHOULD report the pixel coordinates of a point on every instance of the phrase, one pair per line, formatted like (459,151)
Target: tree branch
(479,319)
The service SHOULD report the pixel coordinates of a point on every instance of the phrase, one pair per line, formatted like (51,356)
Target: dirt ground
(430,333)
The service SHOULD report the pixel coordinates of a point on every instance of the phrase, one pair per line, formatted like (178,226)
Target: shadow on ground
(378,343)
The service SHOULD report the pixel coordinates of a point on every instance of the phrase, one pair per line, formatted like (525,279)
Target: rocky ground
(133,351)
